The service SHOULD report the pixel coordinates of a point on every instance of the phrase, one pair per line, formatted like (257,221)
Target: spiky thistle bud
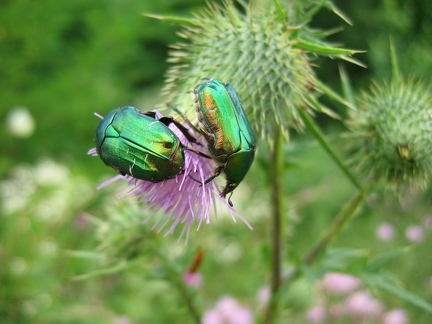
(392,132)
(261,52)
(122,236)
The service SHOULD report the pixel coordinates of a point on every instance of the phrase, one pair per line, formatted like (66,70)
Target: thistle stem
(315,130)
(341,219)
(177,280)
(276,170)
(188,301)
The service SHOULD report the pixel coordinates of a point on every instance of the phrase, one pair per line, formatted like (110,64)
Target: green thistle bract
(260,52)
(392,131)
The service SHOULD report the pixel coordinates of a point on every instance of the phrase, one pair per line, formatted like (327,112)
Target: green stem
(341,219)
(188,300)
(177,279)
(276,170)
(314,129)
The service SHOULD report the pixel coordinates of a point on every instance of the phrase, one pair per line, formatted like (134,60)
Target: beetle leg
(151,114)
(169,120)
(117,170)
(197,152)
(195,179)
(178,111)
(217,172)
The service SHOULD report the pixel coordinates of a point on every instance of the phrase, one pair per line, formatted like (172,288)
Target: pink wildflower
(414,233)
(193,280)
(339,283)
(396,316)
(427,222)
(181,200)
(337,311)
(228,311)
(192,277)
(385,232)
(361,306)
(316,314)
(428,285)
(263,296)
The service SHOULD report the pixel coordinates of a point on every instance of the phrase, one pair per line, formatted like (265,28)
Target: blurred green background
(64,61)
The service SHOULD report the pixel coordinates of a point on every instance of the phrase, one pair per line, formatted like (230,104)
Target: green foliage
(71,253)
(64,61)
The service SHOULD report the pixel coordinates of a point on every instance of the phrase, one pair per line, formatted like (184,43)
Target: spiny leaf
(324,50)
(172,19)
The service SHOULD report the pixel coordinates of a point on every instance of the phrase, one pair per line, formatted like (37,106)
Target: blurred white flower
(44,300)
(16,191)
(20,122)
(48,248)
(29,307)
(48,172)
(228,252)
(18,266)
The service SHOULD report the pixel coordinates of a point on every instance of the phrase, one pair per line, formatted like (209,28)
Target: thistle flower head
(181,200)
(392,132)
(260,52)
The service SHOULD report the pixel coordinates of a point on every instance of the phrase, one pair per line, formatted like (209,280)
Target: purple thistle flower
(181,200)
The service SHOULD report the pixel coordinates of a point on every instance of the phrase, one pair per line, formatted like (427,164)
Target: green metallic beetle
(137,144)
(227,131)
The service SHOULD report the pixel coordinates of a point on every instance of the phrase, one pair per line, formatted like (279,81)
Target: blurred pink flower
(385,232)
(396,316)
(121,320)
(193,280)
(339,283)
(337,311)
(81,222)
(192,277)
(263,296)
(414,233)
(228,311)
(316,314)
(361,306)
(180,200)
(427,222)
(428,284)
